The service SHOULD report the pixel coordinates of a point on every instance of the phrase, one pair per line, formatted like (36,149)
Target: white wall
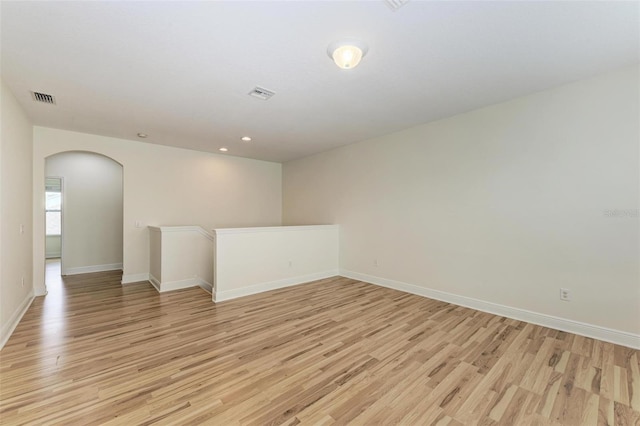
(181,257)
(53,246)
(505,205)
(15,213)
(155,255)
(166,186)
(253,260)
(92,211)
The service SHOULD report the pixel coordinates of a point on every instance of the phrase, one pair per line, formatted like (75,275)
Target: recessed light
(246,138)
(142,135)
(223,149)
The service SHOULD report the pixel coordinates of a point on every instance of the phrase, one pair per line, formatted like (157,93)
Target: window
(53,209)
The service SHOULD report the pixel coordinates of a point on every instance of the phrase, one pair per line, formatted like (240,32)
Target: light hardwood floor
(336,351)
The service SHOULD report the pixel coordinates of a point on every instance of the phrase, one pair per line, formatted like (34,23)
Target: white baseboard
(164,287)
(154,282)
(7,329)
(179,284)
(135,278)
(208,287)
(588,330)
(220,296)
(39,290)
(92,268)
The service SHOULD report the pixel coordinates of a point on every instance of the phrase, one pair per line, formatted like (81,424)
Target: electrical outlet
(565,294)
(375,262)
(138,224)
(21,229)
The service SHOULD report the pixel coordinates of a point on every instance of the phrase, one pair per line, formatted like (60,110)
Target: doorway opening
(83,215)
(53,229)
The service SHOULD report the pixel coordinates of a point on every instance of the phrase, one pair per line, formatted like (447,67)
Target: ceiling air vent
(43,97)
(395,4)
(261,93)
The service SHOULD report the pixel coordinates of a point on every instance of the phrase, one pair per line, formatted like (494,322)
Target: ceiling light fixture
(246,138)
(347,53)
(142,135)
(223,149)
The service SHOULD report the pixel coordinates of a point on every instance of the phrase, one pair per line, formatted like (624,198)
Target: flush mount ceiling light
(246,138)
(347,53)
(223,149)
(142,135)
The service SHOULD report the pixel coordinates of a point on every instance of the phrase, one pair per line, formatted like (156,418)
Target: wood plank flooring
(336,351)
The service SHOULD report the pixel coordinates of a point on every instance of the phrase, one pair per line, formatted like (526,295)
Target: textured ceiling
(181,71)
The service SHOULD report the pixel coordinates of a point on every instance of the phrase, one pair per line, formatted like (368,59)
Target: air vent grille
(395,4)
(43,97)
(262,93)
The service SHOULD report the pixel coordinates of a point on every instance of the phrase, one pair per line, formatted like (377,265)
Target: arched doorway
(85,215)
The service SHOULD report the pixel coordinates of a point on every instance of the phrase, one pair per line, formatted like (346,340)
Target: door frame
(62,204)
